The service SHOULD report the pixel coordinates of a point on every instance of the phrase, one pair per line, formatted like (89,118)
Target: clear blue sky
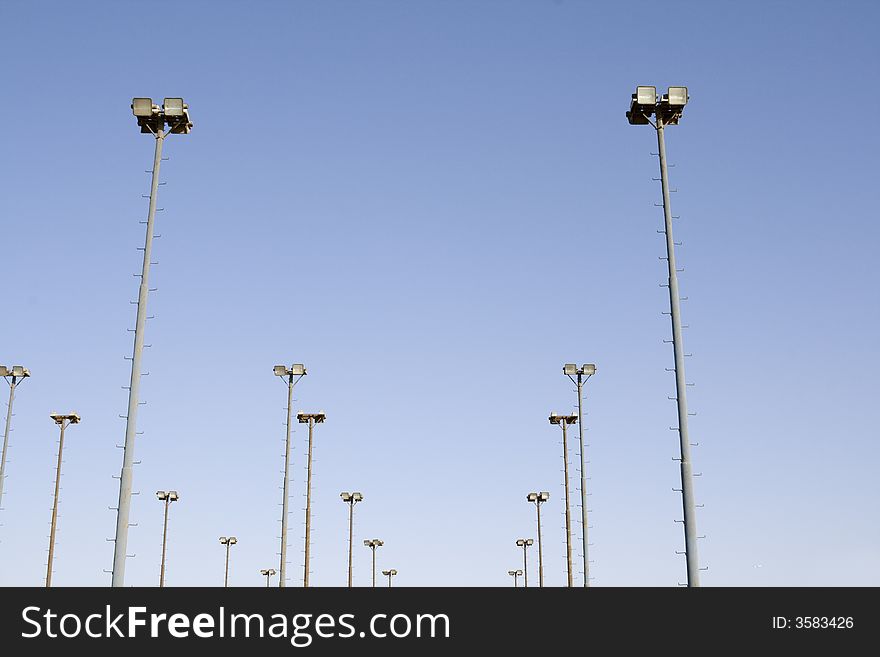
(434,205)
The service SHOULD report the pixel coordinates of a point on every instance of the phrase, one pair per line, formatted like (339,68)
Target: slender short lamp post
(311,419)
(564,421)
(389,574)
(538,499)
(291,375)
(167,498)
(582,373)
(373,544)
(351,499)
(515,574)
(13,376)
(525,544)
(152,119)
(228,542)
(667,110)
(267,573)
(63,421)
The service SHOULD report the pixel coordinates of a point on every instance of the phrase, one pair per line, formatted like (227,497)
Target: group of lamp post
(578,376)
(14,376)
(172,117)
(291,375)
(666,109)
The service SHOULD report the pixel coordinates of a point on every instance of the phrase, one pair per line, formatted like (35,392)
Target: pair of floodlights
(152,118)
(667,107)
(17,371)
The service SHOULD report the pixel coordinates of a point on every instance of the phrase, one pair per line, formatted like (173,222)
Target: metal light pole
(525,544)
(571,370)
(168,498)
(292,375)
(267,573)
(373,544)
(63,421)
(667,111)
(13,376)
(389,573)
(564,421)
(311,419)
(152,120)
(351,499)
(228,542)
(539,499)
(515,574)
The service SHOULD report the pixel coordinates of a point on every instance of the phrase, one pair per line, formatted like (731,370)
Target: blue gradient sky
(434,205)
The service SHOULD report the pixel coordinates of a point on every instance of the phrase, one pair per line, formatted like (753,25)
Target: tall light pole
(63,421)
(515,574)
(564,421)
(152,120)
(351,499)
(166,497)
(538,499)
(13,376)
(311,419)
(267,573)
(667,110)
(582,373)
(291,375)
(525,544)
(228,542)
(389,573)
(373,544)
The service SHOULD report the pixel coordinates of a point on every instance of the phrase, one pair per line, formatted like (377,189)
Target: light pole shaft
(282,568)
(584,528)
(567,503)
(164,543)
(687,491)
(6,438)
(308,503)
(525,566)
(125,478)
(540,552)
(55,509)
(350,540)
(373,548)
(389,580)
(226,574)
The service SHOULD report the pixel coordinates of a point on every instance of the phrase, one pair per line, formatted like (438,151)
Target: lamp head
(570,369)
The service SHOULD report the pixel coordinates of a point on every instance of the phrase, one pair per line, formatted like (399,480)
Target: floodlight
(233,540)
(223,540)
(570,369)
(509,572)
(173,107)
(143,107)
(345,497)
(280,370)
(4,371)
(677,96)
(173,496)
(645,96)
(589,369)
(298,369)
(357,497)
(544,496)
(161,494)
(532,497)
(19,371)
